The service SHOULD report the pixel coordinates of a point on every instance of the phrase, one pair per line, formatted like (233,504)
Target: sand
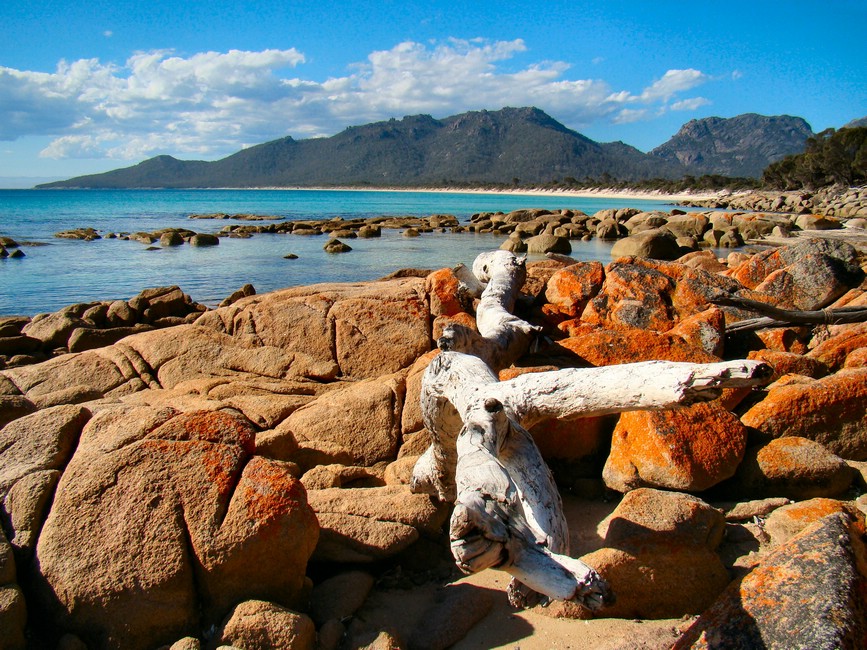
(597,193)
(537,628)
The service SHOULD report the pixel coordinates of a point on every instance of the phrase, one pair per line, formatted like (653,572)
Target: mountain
(738,146)
(477,147)
(861,121)
(473,147)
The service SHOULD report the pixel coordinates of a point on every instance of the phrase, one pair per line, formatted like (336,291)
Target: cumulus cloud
(214,103)
(671,83)
(628,115)
(690,104)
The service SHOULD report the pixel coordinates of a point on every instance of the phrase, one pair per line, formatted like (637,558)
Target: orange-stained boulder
(704,330)
(652,294)
(659,555)
(688,449)
(856,297)
(787,363)
(787,521)
(570,289)
(442,289)
(162,521)
(461,319)
(602,347)
(834,352)
(514,371)
(540,272)
(634,295)
(791,467)
(856,358)
(808,275)
(785,339)
(780,284)
(807,593)
(572,440)
(752,271)
(829,410)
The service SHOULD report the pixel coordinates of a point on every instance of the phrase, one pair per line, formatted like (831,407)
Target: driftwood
(508,513)
(496,279)
(776,317)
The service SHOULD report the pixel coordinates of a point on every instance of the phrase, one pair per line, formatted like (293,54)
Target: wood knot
(493,405)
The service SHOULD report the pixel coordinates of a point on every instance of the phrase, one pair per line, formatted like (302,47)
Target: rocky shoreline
(831,208)
(184,477)
(831,202)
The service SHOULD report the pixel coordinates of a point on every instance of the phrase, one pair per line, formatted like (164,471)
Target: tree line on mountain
(705,182)
(830,158)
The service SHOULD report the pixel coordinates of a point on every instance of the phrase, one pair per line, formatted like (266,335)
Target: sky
(88,86)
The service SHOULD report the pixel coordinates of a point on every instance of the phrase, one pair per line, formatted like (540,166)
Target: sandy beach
(597,193)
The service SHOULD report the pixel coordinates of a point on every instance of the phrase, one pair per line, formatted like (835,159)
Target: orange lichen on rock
(442,289)
(208,426)
(829,410)
(604,347)
(569,290)
(688,449)
(785,363)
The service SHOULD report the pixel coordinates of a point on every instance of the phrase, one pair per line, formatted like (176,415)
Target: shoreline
(591,193)
(597,192)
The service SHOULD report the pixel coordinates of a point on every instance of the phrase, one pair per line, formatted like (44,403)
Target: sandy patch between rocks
(538,628)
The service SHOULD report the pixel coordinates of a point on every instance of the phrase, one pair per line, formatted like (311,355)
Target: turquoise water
(57,272)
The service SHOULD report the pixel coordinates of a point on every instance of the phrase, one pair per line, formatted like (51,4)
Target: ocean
(57,272)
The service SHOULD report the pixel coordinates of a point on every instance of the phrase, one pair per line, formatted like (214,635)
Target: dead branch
(776,317)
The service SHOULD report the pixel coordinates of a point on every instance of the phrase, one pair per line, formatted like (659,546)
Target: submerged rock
(336,246)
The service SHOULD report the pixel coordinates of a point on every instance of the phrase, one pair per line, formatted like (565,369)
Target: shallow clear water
(58,272)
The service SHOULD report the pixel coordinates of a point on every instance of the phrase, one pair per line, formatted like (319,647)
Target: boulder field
(240,476)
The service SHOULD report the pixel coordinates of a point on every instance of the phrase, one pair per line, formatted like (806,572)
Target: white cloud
(214,103)
(671,83)
(76,146)
(690,104)
(628,115)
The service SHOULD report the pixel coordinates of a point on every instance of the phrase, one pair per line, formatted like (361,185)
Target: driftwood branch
(502,336)
(508,513)
(776,317)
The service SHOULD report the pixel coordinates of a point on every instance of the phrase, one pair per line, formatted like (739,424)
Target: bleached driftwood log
(508,513)
(502,337)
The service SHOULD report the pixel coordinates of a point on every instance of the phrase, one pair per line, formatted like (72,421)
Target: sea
(57,272)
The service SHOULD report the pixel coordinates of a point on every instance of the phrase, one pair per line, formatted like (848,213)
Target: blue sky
(89,86)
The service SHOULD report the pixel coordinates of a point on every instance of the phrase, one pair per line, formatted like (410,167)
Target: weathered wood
(502,336)
(776,317)
(508,513)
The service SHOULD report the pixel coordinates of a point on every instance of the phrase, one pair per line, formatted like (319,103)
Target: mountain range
(511,145)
